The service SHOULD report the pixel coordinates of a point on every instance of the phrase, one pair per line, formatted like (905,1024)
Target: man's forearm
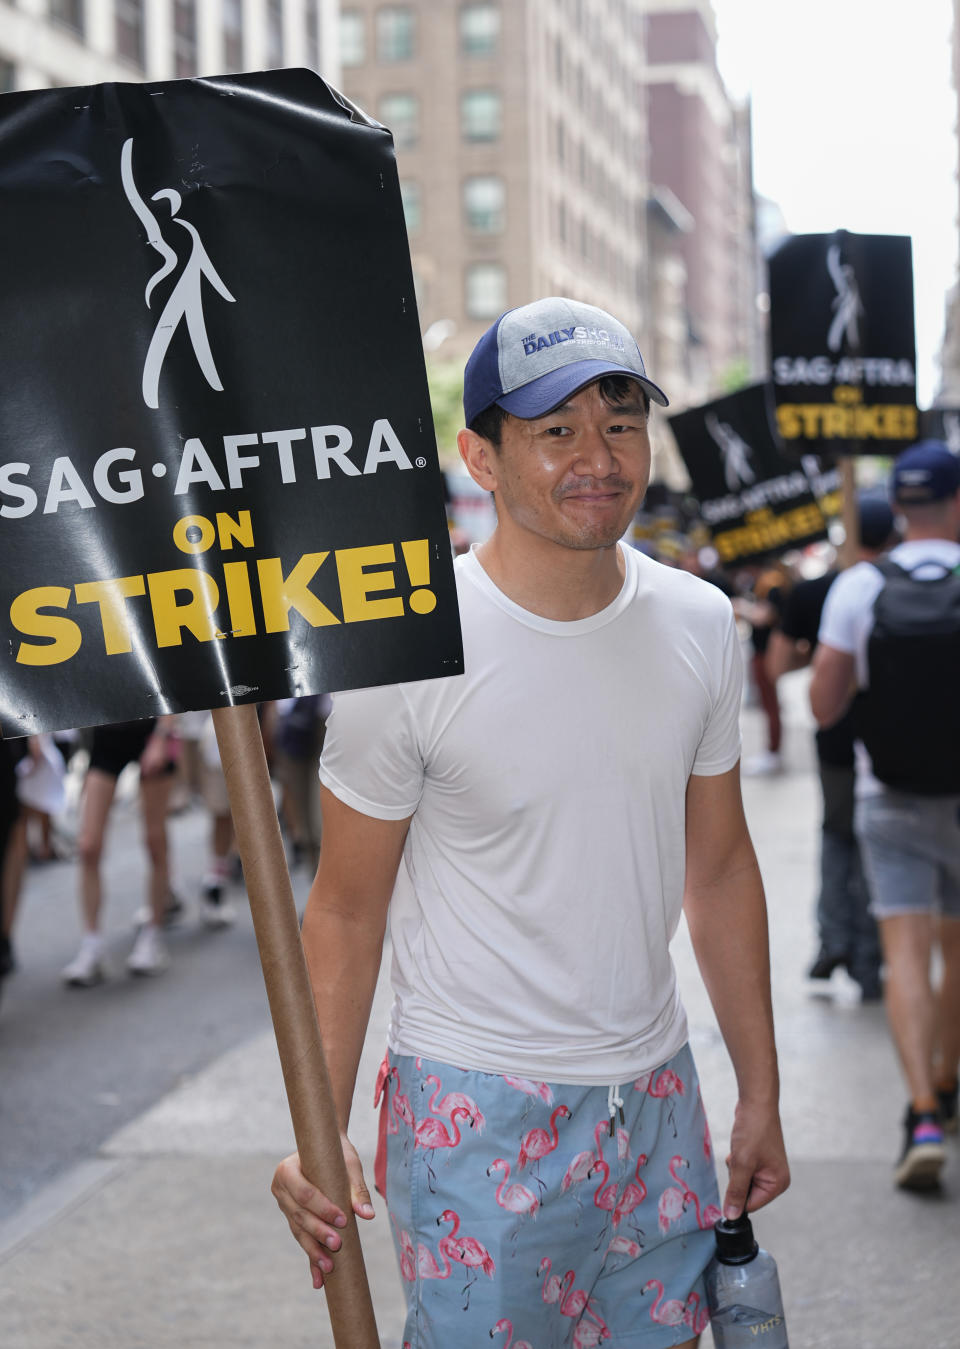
(727,919)
(343,958)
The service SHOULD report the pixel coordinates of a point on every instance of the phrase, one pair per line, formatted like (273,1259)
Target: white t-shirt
(543,871)
(847,618)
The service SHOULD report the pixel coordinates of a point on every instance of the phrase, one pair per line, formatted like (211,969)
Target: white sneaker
(172,914)
(86,967)
(149,955)
(762,765)
(215,909)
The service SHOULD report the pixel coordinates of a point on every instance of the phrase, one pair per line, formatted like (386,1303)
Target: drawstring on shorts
(615,1106)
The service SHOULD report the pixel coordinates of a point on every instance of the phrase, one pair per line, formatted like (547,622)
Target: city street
(140,1123)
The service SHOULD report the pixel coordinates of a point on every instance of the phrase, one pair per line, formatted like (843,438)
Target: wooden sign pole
(292,1010)
(850,515)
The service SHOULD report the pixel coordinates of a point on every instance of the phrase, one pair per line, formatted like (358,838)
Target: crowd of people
(448,808)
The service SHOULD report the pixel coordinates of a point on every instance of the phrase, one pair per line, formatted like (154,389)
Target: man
(847,930)
(540,1107)
(909,839)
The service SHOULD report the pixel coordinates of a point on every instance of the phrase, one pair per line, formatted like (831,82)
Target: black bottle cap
(736,1244)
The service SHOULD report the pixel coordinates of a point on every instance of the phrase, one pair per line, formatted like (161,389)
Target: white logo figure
(186,298)
(734,451)
(846,306)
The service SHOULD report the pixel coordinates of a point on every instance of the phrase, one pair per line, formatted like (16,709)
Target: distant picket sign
(218,474)
(842,343)
(754,497)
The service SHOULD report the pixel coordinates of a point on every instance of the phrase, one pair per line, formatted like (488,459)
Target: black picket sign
(754,498)
(218,474)
(842,343)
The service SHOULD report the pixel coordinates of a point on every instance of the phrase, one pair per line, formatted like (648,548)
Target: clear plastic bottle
(743,1290)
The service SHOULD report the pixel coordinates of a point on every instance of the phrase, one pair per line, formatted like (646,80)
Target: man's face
(576,476)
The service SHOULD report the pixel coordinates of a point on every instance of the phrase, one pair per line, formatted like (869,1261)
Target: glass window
(184,38)
(274,34)
(69,12)
(410,196)
(484,199)
(353,38)
(232,13)
(486,290)
(129,31)
(396,33)
(479,30)
(480,115)
(401,113)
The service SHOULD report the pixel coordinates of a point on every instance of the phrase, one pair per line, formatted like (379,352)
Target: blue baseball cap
(925,472)
(535,357)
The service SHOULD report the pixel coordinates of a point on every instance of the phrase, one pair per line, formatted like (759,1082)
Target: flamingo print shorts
(540,1216)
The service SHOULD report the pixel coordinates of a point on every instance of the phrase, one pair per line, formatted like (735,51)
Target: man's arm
(343,928)
(727,917)
(832,684)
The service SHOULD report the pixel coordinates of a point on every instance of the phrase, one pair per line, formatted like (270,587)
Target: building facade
(51,43)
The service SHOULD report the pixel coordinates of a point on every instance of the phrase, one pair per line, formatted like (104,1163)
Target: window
(274,34)
(486,290)
(233,34)
(396,33)
(184,38)
(410,196)
(401,113)
(480,115)
(479,30)
(8,76)
(69,12)
(484,199)
(129,31)
(353,38)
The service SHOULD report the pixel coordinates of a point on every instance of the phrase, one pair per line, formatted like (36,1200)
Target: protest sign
(843,351)
(754,498)
(218,474)
(941,423)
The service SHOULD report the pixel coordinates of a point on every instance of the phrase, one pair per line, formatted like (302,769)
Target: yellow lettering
(281,593)
(110,595)
(356,584)
(236,577)
(240,529)
(186,545)
(64,635)
(196,615)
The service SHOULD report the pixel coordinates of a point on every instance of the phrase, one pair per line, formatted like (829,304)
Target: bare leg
(98,793)
(154,799)
(911,1008)
(947,1039)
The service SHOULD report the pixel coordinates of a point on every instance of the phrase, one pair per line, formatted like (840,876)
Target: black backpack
(909,716)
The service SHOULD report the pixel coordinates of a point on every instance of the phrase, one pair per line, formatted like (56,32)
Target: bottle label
(756,1323)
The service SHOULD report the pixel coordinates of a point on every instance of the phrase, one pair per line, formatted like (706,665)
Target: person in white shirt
(532,828)
(909,839)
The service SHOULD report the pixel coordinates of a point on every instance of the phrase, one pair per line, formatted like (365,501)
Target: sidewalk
(169,1236)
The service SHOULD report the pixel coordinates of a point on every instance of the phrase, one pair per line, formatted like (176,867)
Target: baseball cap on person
(875,517)
(923,473)
(535,357)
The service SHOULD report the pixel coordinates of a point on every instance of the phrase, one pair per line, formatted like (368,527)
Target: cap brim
(542,395)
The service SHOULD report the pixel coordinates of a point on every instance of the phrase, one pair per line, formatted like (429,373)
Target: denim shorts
(910,847)
(537,1214)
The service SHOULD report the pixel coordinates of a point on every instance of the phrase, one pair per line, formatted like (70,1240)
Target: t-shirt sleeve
(719,747)
(371,759)
(850,595)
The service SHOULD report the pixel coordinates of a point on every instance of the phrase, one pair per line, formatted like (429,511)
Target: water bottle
(743,1291)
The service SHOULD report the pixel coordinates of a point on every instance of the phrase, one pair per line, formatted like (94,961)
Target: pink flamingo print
(672,1203)
(695,1316)
(516,1198)
(621,1245)
(506,1326)
(451,1101)
(408,1259)
(666,1083)
(581,1165)
(538,1142)
(401,1106)
(550,1292)
(633,1195)
(711,1214)
(427,1266)
(524,1084)
(671,1313)
(466,1251)
(605,1195)
(588,1334)
(431,1133)
(423,1262)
